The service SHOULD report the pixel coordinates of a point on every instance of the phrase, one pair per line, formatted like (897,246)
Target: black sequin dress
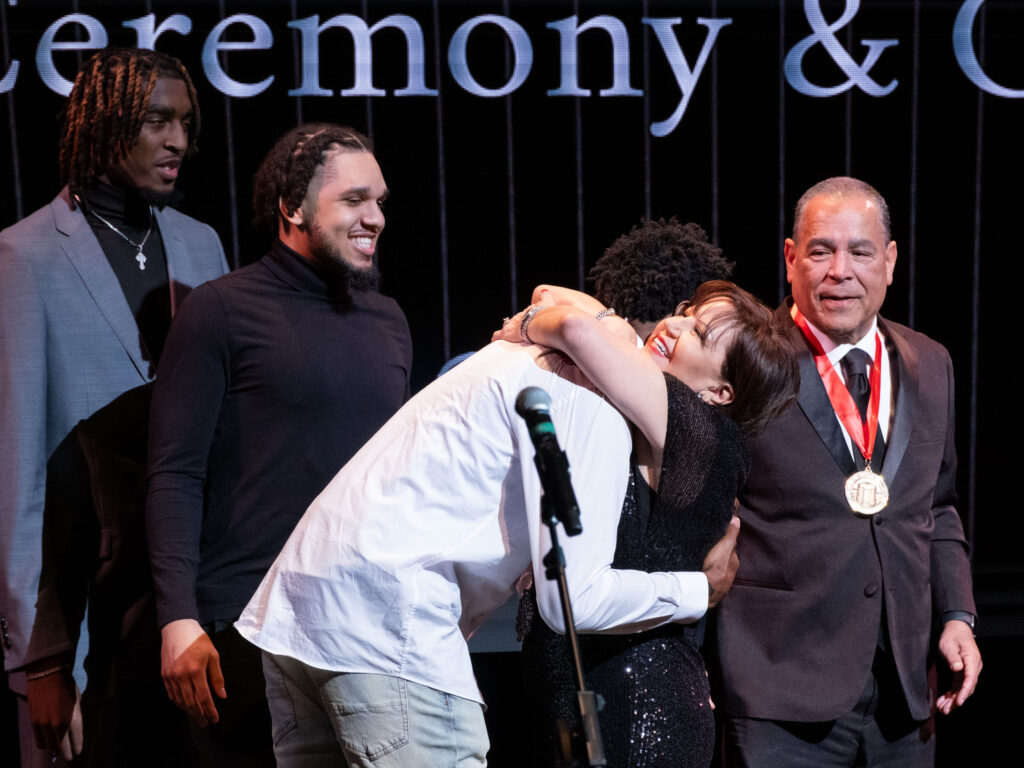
(656,712)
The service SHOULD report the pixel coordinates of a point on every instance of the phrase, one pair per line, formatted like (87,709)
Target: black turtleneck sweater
(146,290)
(268,385)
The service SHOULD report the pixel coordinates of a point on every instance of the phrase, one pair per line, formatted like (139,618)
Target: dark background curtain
(494,193)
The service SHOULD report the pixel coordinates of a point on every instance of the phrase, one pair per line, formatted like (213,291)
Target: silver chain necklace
(139,255)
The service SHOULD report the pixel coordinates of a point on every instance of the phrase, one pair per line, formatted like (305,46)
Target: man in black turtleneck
(272,378)
(88,285)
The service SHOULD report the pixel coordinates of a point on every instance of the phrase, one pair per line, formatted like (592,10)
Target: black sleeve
(191,384)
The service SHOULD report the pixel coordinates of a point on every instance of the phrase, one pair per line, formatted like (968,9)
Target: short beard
(147,195)
(325,255)
(159,199)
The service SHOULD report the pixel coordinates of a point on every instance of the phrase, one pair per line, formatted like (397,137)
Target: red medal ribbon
(861,433)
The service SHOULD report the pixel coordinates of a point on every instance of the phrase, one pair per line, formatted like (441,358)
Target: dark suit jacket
(69,345)
(798,632)
(94,548)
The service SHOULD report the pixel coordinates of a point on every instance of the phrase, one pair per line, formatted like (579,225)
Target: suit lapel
(177,258)
(813,399)
(83,250)
(904,366)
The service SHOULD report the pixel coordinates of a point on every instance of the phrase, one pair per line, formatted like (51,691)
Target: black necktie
(855,364)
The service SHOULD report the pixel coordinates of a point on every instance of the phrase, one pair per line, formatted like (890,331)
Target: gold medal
(866,492)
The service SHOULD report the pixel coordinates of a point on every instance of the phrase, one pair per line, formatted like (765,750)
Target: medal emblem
(866,492)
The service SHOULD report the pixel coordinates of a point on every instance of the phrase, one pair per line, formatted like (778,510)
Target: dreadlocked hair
(284,176)
(644,274)
(106,108)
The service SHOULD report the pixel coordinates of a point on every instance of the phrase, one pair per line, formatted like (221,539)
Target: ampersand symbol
(824,33)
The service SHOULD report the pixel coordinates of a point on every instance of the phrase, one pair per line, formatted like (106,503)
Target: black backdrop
(494,193)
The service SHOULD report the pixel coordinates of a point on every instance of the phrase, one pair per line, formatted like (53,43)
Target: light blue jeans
(324,718)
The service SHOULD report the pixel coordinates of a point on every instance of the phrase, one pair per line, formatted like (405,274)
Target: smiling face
(152,164)
(840,264)
(343,211)
(692,348)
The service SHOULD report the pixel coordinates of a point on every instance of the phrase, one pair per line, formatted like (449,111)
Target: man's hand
(721,564)
(961,652)
(187,658)
(55,708)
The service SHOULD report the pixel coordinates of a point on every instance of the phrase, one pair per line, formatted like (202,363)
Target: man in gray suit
(854,578)
(88,285)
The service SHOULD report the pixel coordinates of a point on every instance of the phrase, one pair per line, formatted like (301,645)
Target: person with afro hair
(646,273)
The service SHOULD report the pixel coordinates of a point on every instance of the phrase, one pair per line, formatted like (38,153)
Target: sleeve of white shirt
(597,442)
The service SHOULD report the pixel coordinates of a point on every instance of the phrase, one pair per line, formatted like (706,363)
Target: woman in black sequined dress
(704,377)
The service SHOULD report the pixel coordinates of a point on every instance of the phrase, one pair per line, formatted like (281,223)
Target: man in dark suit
(852,554)
(88,285)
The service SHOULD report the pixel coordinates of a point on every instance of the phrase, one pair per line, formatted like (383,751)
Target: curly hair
(646,273)
(286,171)
(104,113)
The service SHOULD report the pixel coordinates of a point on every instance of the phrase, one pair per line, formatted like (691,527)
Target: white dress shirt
(426,530)
(836,352)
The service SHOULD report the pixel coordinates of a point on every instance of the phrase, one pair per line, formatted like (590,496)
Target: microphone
(534,405)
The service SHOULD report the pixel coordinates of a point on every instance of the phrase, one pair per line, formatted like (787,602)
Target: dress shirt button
(878,520)
(870,590)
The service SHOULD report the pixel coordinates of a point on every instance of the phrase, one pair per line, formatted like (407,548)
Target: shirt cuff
(693,596)
(967,618)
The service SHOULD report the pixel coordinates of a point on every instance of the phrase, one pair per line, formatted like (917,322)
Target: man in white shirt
(364,615)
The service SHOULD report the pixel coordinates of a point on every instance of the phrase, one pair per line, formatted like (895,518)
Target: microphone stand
(588,702)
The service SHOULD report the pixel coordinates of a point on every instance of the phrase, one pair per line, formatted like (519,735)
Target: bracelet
(604,313)
(527,319)
(45,673)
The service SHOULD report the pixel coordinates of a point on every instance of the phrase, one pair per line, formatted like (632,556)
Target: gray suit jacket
(798,632)
(68,346)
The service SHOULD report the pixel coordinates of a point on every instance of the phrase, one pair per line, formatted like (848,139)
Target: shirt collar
(295,270)
(837,352)
(116,204)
